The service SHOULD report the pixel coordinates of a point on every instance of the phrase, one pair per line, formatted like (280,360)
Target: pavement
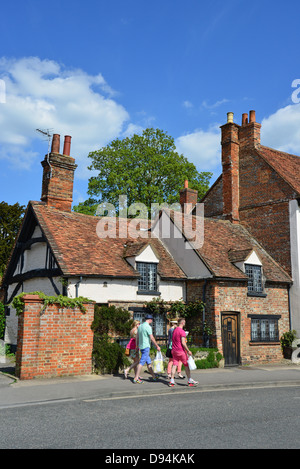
(15,392)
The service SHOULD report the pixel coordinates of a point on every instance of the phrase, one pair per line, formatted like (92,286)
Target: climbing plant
(63,301)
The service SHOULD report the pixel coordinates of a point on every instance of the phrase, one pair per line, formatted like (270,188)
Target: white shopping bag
(191,363)
(158,363)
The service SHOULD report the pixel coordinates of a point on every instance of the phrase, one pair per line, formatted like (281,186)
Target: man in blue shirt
(144,339)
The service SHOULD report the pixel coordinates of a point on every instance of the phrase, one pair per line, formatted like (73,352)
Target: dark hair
(180,320)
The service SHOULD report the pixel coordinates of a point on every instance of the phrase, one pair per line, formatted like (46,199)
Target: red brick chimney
(249,134)
(188,198)
(58,176)
(230,164)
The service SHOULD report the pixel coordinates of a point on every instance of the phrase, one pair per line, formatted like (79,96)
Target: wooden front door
(231,338)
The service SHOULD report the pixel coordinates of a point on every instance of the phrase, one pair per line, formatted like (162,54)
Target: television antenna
(47,134)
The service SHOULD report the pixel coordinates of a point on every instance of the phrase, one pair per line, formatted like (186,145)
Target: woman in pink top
(180,352)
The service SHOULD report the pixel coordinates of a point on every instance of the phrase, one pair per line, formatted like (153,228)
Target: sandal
(180,376)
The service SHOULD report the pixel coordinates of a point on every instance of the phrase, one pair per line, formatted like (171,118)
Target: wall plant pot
(287,352)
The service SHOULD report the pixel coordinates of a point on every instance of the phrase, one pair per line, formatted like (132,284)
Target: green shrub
(2,320)
(108,357)
(287,338)
(211,361)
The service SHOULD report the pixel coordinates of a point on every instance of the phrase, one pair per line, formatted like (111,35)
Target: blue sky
(100,70)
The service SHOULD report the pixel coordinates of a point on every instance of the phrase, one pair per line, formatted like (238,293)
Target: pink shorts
(179,357)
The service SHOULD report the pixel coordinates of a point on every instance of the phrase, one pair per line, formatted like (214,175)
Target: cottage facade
(244,286)
(260,189)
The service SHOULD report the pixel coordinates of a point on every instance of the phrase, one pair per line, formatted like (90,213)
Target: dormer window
(255,282)
(148,276)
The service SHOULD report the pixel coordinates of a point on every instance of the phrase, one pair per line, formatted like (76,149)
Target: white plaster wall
(295,260)
(122,290)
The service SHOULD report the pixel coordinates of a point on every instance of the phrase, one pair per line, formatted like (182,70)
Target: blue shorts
(145,356)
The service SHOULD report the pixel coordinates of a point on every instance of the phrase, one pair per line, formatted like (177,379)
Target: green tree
(10,221)
(146,168)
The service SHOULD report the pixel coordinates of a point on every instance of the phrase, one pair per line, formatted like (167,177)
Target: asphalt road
(231,419)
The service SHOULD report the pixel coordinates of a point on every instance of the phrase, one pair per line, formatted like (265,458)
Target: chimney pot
(245,118)
(67,145)
(252,116)
(186,184)
(55,148)
(229,117)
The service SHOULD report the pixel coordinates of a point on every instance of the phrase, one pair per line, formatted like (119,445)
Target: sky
(99,70)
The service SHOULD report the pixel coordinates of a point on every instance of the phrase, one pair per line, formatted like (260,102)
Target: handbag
(191,363)
(127,352)
(169,353)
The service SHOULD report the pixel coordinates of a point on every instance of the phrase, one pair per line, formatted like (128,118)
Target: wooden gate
(231,338)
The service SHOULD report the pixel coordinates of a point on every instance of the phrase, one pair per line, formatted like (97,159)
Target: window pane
(255,278)
(148,276)
(264,330)
(254,329)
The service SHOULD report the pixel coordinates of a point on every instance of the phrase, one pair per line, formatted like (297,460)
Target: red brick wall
(56,342)
(228,296)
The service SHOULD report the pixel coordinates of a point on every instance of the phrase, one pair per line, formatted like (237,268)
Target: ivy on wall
(63,301)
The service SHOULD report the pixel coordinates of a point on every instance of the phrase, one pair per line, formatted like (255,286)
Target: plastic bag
(191,363)
(158,363)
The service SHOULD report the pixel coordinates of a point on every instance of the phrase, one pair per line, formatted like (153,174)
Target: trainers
(138,381)
(192,383)
(171,385)
(155,378)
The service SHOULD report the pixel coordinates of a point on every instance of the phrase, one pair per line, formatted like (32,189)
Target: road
(231,419)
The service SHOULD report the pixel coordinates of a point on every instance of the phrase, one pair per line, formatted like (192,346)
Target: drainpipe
(205,338)
(289,299)
(77,287)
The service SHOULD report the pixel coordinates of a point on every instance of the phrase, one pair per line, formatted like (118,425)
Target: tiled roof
(79,251)
(285,164)
(221,239)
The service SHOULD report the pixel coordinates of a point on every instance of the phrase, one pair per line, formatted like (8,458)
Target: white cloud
(187,104)
(44,94)
(201,148)
(206,105)
(281,130)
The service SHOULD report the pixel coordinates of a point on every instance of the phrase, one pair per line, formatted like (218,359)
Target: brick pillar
(230,175)
(53,342)
(28,337)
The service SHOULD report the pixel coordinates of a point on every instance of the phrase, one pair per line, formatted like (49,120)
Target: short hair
(180,320)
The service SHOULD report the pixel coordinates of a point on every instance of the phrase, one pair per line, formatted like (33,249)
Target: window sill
(263,343)
(257,295)
(146,292)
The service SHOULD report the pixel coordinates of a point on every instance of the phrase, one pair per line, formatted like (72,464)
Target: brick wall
(55,342)
(229,296)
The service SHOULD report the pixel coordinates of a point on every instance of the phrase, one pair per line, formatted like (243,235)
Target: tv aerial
(47,135)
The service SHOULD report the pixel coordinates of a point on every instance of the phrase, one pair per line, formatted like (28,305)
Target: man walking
(144,339)
(180,352)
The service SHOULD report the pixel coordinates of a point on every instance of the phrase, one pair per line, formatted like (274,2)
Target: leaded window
(148,276)
(264,330)
(255,282)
